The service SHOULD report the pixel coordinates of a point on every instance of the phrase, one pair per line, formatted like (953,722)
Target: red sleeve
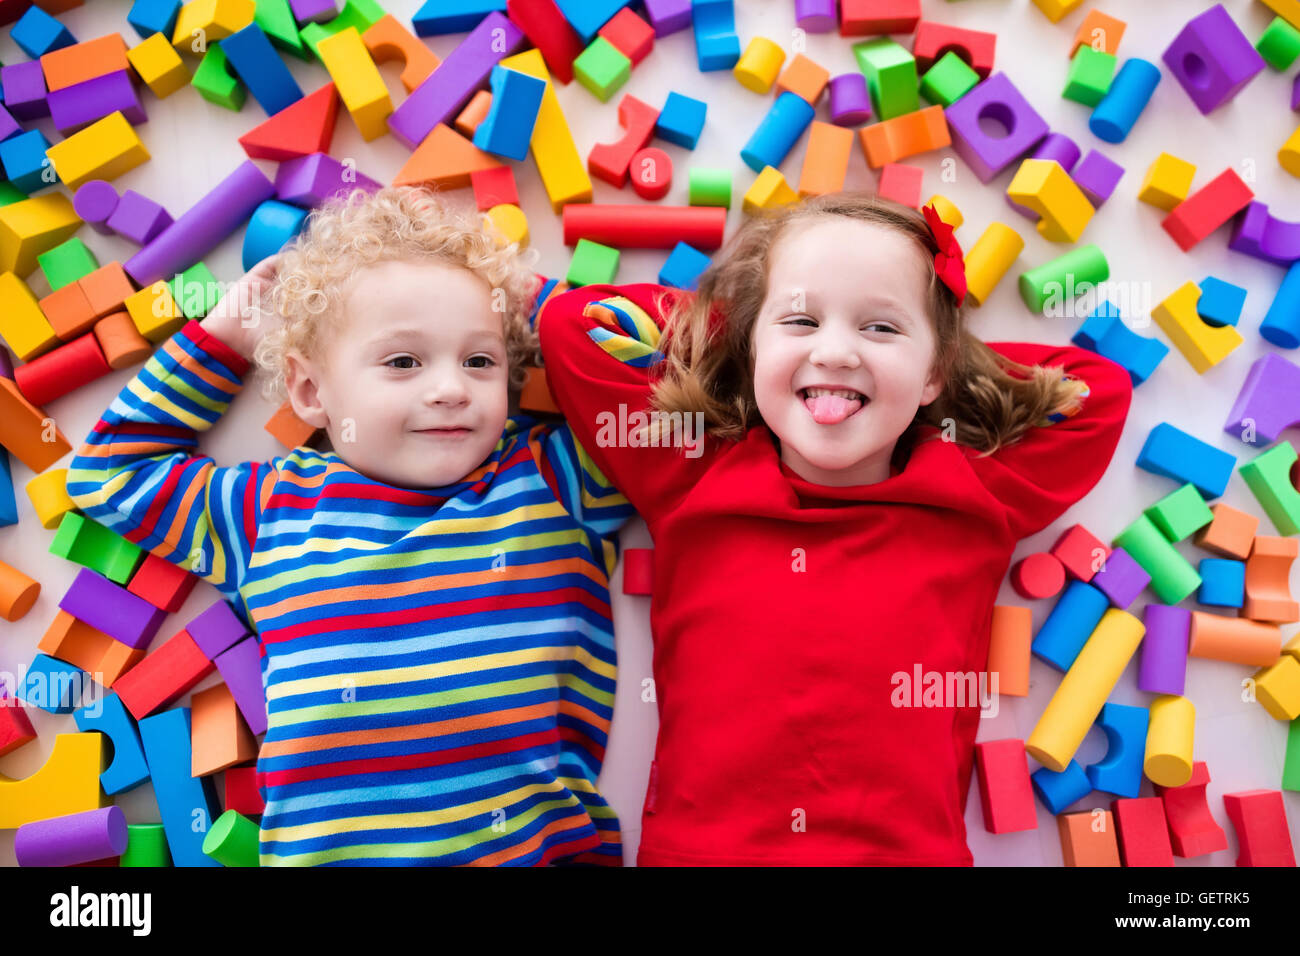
(602,394)
(1053,466)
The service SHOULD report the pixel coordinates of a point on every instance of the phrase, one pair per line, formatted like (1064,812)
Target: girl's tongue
(831,409)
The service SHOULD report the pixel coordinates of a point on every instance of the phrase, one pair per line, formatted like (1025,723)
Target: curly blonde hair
(352,231)
(990,400)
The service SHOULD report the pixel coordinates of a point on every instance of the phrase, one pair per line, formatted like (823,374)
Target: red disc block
(1038,576)
(652,173)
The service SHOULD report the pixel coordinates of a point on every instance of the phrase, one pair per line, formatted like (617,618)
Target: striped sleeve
(137,472)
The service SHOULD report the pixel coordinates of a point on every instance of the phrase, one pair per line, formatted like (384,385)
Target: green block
(276,20)
(90,544)
(11,194)
(67,262)
(592,264)
(602,68)
(1172,576)
(1268,476)
(361,14)
(1291,766)
(1055,282)
(216,83)
(1090,74)
(1180,513)
(146,845)
(195,290)
(232,840)
(891,76)
(710,187)
(948,80)
(1280,44)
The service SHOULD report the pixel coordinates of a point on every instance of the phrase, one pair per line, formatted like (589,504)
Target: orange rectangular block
(903,136)
(1099,31)
(84,61)
(288,429)
(106,288)
(30,435)
(1088,839)
(536,394)
(68,312)
(99,655)
(826,162)
(1009,643)
(1230,535)
(804,78)
(219,738)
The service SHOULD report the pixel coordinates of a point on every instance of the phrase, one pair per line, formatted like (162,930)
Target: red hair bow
(949,265)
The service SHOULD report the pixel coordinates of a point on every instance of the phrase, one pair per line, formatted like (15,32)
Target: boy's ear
(301,378)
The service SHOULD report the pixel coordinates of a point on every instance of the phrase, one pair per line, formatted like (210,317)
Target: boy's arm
(1053,465)
(136,472)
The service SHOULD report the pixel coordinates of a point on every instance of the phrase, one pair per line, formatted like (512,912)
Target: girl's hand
(238,319)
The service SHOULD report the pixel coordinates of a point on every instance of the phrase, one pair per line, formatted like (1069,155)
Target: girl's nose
(833,348)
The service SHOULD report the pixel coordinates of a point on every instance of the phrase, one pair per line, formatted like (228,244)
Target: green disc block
(1090,74)
(891,76)
(10,194)
(232,840)
(1172,577)
(215,83)
(275,17)
(1280,44)
(361,14)
(592,264)
(602,68)
(1180,513)
(196,291)
(66,263)
(710,187)
(90,544)
(1269,478)
(146,845)
(948,80)
(1064,277)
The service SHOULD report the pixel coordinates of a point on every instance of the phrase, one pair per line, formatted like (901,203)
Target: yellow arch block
(68,783)
(1043,186)
(1203,345)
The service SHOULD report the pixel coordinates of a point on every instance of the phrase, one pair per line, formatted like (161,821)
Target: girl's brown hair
(987,401)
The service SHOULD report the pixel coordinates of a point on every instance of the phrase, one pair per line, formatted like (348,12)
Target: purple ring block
(998,100)
(79,105)
(1212,59)
(241,669)
(850,101)
(138,218)
(668,16)
(113,609)
(816,16)
(1257,232)
(1097,176)
(1163,665)
(216,630)
(94,203)
(1121,578)
(24,89)
(311,180)
(72,839)
(1269,398)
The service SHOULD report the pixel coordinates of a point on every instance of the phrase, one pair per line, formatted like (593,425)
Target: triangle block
(300,129)
(445,158)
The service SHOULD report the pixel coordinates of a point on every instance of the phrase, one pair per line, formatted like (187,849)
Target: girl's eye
(480,361)
(882,325)
(402,359)
(800,320)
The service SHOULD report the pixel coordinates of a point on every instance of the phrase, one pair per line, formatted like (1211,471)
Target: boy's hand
(236,320)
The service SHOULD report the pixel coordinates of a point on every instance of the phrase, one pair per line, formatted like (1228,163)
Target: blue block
(148,17)
(37,33)
(684,267)
(681,120)
(1220,302)
(270,228)
(1173,453)
(1058,790)
(717,46)
(8,504)
(188,805)
(1120,772)
(1076,615)
(254,61)
(781,128)
(508,126)
(1129,93)
(23,158)
(1223,582)
(128,769)
(1105,333)
(453,16)
(1281,324)
(53,685)
(588,16)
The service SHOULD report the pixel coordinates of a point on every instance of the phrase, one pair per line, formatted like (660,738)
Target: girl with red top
(866,470)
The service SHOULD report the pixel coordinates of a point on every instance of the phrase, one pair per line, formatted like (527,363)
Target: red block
(644,226)
(1080,552)
(15,726)
(62,370)
(1005,790)
(933,40)
(303,127)
(609,161)
(1207,209)
(1263,837)
(161,583)
(494,186)
(548,30)
(871,17)
(242,794)
(630,35)
(1191,825)
(638,571)
(1038,575)
(163,676)
(901,183)
(1143,831)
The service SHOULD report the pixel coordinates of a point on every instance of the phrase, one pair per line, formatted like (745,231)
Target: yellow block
(1203,345)
(1288,10)
(48,492)
(68,783)
(769,191)
(203,22)
(1277,688)
(154,312)
(22,323)
(32,226)
(563,171)
(1292,647)
(105,149)
(1084,689)
(990,258)
(358,81)
(1056,9)
(509,223)
(159,65)
(1043,186)
(1168,182)
(1171,727)
(1289,154)
(759,66)
(947,210)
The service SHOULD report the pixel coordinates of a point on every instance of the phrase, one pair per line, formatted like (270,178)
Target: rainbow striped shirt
(438,664)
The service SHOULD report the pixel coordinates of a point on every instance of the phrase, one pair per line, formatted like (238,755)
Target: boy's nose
(447,391)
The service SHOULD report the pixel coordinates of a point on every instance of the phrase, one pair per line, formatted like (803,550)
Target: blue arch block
(1173,453)
(1058,790)
(1120,771)
(128,769)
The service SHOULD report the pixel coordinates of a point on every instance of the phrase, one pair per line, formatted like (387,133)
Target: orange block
(219,738)
(288,429)
(120,341)
(826,162)
(68,311)
(1009,642)
(387,39)
(1236,639)
(76,642)
(1230,535)
(803,78)
(1088,839)
(30,435)
(18,592)
(536,394)
(903,136)
(1100,31)
(473,114)
(445,158)
(106,288)
(84,61)
(1268,580)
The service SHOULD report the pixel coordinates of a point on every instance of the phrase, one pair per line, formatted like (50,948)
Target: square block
(681,120)
(1168,182)
(1090,76)
(1230,533)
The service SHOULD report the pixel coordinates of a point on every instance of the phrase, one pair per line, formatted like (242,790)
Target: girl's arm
(1054,465)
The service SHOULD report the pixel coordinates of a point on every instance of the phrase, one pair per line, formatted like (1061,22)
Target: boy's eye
(402,361)
(479,361)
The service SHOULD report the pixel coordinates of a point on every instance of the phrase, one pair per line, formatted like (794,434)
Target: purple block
(112,609)
(1121,578)
(8,125)
(850,101)
(1257,232)
(1269,397)
(79,105)
(241,669)
(1097,176)
(24,86)
(6,364)
(216,630)
(668,16)
(73,839)
(1163,666)
(815,16)
(1295,92)
(313,11)
(95,202)
(203,226)
(1212,59)
(138,218)
(457,78)
(996,100)
(310,180)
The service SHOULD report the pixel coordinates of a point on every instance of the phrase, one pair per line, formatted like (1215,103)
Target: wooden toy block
(1087,838)
(683,268)
(67,262)
(987,154)
(1221,302)
(89,838)
(1268,403)
(1080,552)
(216,82)
(272,227)
(164,676)
(1057,791)
(357,14)
(805,78)
(593,264)
(288,429)
(37,33)
(106,289)
(948,80)
(358,81)
(15,726)
(68,312)
(300,129)
(1223,582)
(48,494)
(1091,74)
(1231,534)
(904,136)
(217,629)
(18,592)
(209,20)
(1099,31)
(104,150)
(233,840)
(1037,576)
(476,112)
(492,187)
(1212,59)
(710,186)
(240,667)
(158,64)
(128,769)
(777,133)
(446,159)
(1120,771)
(1167,182)
(826,161)
(138,219)
(1192,827)
(1006,795)
(548,30)
(252,58)
(558,162)
(241,791)
(681,120)
(891,76)
(651,173)
(768,191)
(1067,628)
(1277,688)
(900,183)
(1105,333)
(88,648)
(32,226)
(1291,762)
(644,226)
(1173,453)
(188,804)
(1268,476)
(1055,10)
(87,542)
(1171,731)
(219,738)
(988,260)
(1236,639)
(146,843)
(112,609)
(1180,513)
(195,290)
(154,312)
(536,394)
(975,47)
(508,126)
(28,434)
(61,370)
(67,783)
(1292,647)
(84,61)
(147,17)
(1011,635)
(717,47)
(759,65)
(1043,186)
(1207,209)
(1143,832)
(387,39)
(602,69)
(1097,176)
(161,583)
(1203,345)
(1263,835)
(23,157)
(1268,574)
(868,17)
